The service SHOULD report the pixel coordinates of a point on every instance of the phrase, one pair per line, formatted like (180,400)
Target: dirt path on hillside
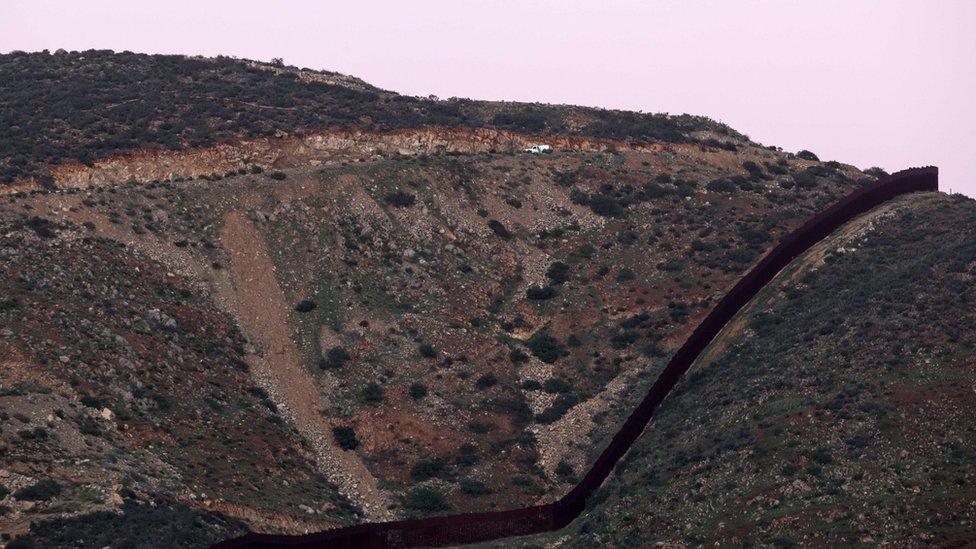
(249,289)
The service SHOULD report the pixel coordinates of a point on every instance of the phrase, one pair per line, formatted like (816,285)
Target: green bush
(518,356)
(625,275)
(42,490)
(555,385)
(486,381)
(372,394)
(345,437)
(467,455)
(335,358)
(473,488)
(499,229)
(545,347)
(755,170)
(425,499)
(305,306)
(564,471)
(804,180)
(418,391)
(807,155)
(400,199)
(558,272)
(277,176)
(531,385)
(539,293)
(605,205)
(426,469)
(722,185)
(427,350)
(558,409)
(480,427)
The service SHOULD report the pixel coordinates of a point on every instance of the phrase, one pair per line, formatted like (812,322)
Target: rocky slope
(837,410)
(328,319)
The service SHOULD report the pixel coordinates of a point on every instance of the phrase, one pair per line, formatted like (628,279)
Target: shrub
(305,306)
(499,229)
(555,385)
(468,455)
(531,385)
(807,155)
(427,469)
(653,190)
(755,170)
(425,499)
(623,340)
(473,488)
(564,470)
(277,175)
(486,381)
(372,393)
(753,237)
(722,185)
(558,409)
(480,427)
(876,172)
(345,437)
(92,402)
(605,205)
(335,358)
(427,350)
(558,272)
(518,356)
(545,347)
(685,188)
(418,391)
(625,274)
(37,433)
(804,180)
(41,491)
(539,293)
(400,199)
(566,179)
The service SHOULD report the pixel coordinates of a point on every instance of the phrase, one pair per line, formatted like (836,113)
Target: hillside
(81,107)
(335,304)
(838,409)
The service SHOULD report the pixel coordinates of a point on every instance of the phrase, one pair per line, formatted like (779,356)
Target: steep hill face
(837,409)
(388,312)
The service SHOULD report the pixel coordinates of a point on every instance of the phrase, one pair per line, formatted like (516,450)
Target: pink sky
(868,82)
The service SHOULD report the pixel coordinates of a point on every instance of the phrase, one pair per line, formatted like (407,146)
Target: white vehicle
(538,149)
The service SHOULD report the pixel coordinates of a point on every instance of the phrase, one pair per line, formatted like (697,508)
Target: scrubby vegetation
(85,106)
(444,315)
(838,416)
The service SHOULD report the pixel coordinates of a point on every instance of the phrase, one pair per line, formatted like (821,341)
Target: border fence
(465,528)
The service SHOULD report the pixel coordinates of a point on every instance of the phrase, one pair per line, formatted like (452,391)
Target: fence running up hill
(475,527)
